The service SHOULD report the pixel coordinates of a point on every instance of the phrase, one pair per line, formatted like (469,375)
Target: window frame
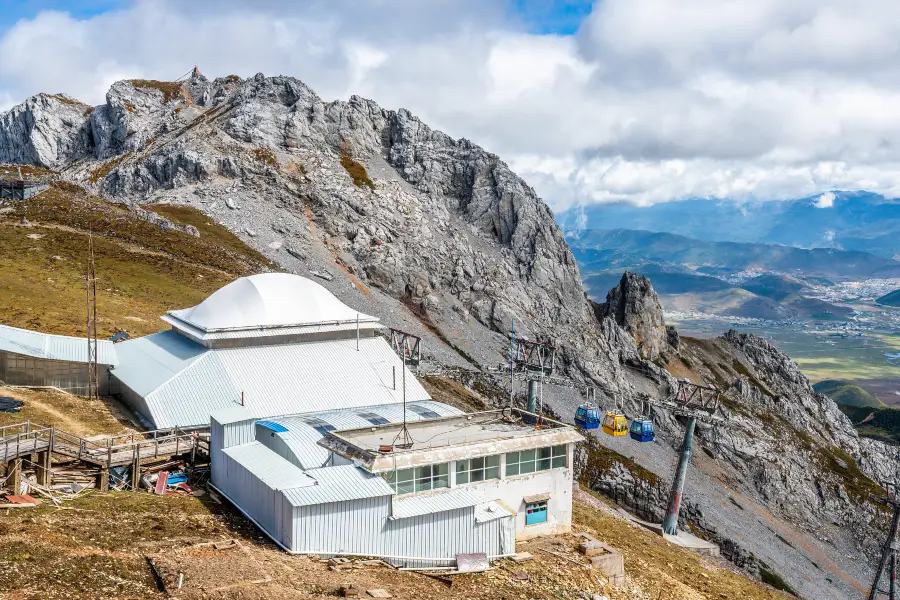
(418,479)
(488,471)
(535,460)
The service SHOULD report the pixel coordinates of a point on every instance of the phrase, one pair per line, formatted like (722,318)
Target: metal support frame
(407,346)
(534,356)
(888,558)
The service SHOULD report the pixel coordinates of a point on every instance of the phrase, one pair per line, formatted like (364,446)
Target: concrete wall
(512,490)
(73,377)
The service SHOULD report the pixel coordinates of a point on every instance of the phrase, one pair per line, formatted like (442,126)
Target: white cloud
(651,101)
(826,200)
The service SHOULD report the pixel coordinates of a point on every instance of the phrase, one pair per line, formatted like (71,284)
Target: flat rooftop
(437,440)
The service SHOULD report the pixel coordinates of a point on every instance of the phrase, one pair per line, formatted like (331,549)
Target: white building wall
(511,491)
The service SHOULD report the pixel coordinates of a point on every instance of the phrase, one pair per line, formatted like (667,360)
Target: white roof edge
(104,347)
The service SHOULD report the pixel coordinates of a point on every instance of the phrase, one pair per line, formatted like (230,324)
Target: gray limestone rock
(634,306)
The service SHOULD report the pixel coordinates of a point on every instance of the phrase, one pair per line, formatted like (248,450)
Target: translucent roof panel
(268,300)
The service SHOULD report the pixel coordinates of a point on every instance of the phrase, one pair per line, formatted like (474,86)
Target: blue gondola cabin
(642,430)
(587,416)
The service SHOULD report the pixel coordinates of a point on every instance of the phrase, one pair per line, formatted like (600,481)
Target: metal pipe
(532,396)
(886,552)
(670,523)
(357,332)
(893,582)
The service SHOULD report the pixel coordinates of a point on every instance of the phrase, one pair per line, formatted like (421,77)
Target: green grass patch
(106,168)
(599,459)
(847,393)
(265,156)
(356,171)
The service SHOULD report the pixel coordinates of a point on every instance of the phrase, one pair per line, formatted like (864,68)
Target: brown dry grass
(144,270)
(73,414)
(170,89)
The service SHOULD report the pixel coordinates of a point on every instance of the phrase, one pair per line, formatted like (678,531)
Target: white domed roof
(269,300)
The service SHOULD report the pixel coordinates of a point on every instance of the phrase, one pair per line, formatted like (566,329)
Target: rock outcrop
(634,306)
(47,130)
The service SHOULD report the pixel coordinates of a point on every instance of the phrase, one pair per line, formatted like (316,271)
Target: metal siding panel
(266,466)
(148,362)
(338,484)
(416,505)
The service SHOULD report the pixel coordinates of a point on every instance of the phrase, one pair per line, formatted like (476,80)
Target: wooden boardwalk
(24,439)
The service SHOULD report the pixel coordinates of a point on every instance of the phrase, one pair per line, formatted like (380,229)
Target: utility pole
(889,549)
(91,290)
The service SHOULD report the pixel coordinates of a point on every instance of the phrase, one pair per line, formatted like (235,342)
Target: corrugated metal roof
(285,379)
(272,426)
(338,484)
(303,439)
(232,414)
(491,511)
(54,347)
(271,469)
(148,362)
(424,504)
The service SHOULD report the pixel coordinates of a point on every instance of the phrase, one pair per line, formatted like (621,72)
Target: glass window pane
(406,475)
(462,477)
(389,477)
(478,475)
(423,472)
(405,487)
(512,457)
(559,450)
(492,461)
(423,485)
(442,481)
(526,467)
(543,464)
(462,466)
(512,469)
(559,462)
(441,469)
(544,453)
(492,473)
(526,455)
(477,463)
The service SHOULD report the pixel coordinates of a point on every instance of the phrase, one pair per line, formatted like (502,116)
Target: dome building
(276,343)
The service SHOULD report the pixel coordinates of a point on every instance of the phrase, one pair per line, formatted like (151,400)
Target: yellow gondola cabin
(615,423)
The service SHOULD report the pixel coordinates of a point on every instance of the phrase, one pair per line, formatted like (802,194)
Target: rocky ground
(438,237)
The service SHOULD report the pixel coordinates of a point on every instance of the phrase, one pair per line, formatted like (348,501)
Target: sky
(643,101)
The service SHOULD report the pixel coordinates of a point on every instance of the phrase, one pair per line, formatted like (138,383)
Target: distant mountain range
(842,220)
(691,274)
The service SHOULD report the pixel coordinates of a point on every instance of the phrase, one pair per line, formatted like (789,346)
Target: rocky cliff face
(438,237)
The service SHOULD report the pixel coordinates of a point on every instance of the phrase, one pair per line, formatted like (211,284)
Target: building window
(541,459)
(536,513)
(419,479)
(477,469)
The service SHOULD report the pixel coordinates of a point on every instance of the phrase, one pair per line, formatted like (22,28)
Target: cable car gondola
(615,424)
(642,429)
(587,416)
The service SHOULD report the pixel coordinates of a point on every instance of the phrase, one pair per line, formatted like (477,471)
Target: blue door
(536,513)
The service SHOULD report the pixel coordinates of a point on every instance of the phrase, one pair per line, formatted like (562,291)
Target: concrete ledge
(604,558)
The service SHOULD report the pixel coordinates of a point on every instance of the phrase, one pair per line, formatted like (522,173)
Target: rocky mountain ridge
(439,237)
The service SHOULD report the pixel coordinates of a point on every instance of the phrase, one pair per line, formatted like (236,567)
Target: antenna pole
(512,382)
(91,290)
(357,330)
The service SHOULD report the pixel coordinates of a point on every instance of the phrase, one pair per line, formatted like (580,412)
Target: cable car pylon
(697,403)
(889,549)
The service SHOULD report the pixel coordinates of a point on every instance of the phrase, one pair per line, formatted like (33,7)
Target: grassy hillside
(143,269)
(776,287)
(848,394)
(892,299)
(876,423)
